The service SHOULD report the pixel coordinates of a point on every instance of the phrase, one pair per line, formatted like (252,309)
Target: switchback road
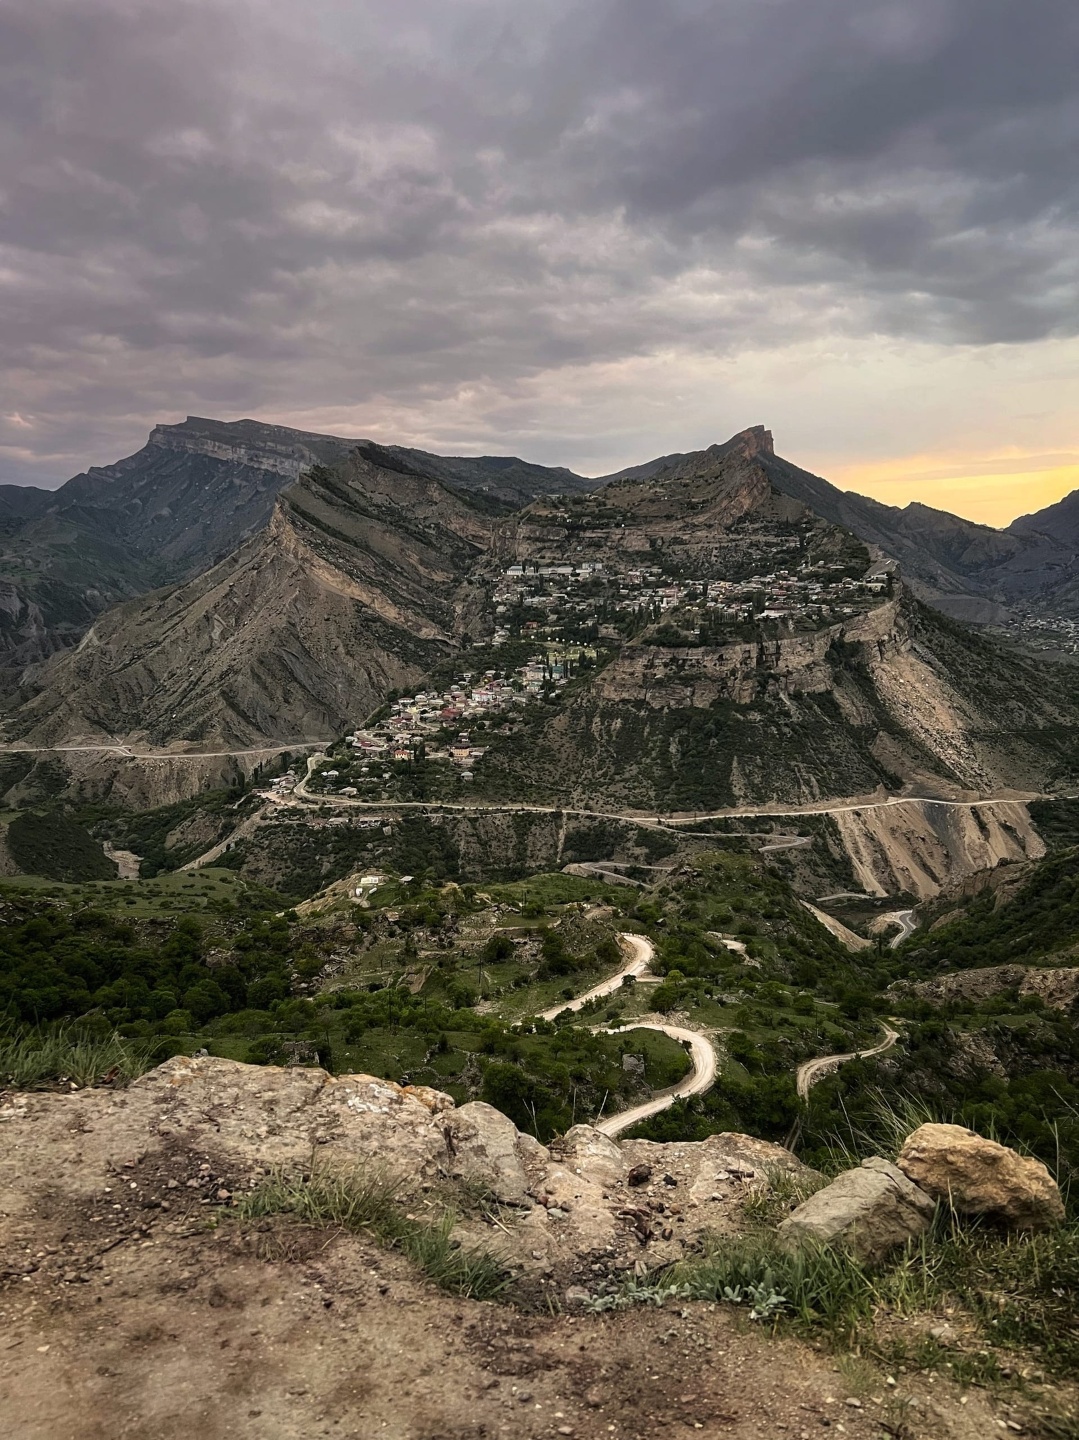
(808,1074)
(639,963)
(907,926)
(773,812)
(699,1081)
(702,1075)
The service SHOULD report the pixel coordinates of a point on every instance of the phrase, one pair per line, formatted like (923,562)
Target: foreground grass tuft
(33,1059)
(369,1202)
(1009,1294)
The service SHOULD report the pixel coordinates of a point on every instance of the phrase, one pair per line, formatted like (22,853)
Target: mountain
(966,570)
(358,585)
(186,500)
(1059,522)
(735,644)
(840,682)
(196,491)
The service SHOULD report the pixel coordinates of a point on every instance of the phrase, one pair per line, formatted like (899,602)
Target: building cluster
(1054,632)
(439,723)
(546,600)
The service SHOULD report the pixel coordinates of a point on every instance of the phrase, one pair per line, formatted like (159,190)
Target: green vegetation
(1017,1290)
(209,890)
(93,984)
(370,1202)
(299,858)
(1057,822)
(59,962)
(45,1056)
(987,1055)
(55,846)
(1040,918)
(170,835)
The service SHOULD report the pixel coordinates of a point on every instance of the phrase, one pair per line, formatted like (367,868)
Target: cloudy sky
(585,231)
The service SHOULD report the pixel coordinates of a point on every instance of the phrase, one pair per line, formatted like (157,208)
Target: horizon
(580,236)
(993,509)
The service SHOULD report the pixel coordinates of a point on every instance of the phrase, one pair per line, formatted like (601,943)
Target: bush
(54,846)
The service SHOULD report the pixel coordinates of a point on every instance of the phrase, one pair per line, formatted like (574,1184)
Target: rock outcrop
(1057,988)
(590,1198)
(872,1210)
(977,1176)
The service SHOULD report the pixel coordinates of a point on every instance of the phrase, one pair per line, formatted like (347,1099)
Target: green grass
(1015,1293)
(369,1202)
(34,1059)
(555,889)
(181,892)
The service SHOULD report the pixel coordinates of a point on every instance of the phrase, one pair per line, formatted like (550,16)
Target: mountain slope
(356,586)
(193,494)
(1059,522)
(701,706)
(745,647)
(967,570)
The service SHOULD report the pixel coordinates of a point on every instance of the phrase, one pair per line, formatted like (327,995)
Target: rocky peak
(273,448)
(752,442)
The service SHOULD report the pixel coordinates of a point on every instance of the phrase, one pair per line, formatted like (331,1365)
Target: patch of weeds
(35,1059)
(1014,1293)
(369,1202)
(766,1205)
(819,1287)
(636,1292)
(762,1297)
(1021,1288)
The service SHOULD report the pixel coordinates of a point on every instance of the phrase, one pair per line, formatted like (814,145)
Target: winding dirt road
(811,1071)
(702,1075)
(699,1081)
(640,950)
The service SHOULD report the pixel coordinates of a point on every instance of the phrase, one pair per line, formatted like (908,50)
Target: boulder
(977,1176)
(871,1210)
(594,1154)
(485,1148)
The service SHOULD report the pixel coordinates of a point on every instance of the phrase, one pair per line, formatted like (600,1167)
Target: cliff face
(190,497)
(891,698)
(919,847)
(349,592)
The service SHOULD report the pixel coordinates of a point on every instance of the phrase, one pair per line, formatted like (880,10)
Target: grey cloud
(224,206)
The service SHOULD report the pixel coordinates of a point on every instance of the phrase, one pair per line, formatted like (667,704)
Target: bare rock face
(872,1210)
(592,1201)
(486,1147)
(979,1177)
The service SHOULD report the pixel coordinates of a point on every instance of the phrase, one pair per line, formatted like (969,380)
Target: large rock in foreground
(584,1201)
(977,1176)
(872,1210)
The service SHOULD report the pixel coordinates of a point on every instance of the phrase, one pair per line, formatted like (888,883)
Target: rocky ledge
(585,1202)
(582,1206)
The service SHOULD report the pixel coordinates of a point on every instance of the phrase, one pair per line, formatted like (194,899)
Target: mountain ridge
(349,591)
(746,648)
(198,489)
(193,494)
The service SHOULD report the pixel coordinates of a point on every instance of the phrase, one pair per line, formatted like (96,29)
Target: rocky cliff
(353,589)
(893,698)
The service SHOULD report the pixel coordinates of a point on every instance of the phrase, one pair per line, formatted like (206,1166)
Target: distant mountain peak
(754,441)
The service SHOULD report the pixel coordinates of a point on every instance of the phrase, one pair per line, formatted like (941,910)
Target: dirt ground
(142,1308)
